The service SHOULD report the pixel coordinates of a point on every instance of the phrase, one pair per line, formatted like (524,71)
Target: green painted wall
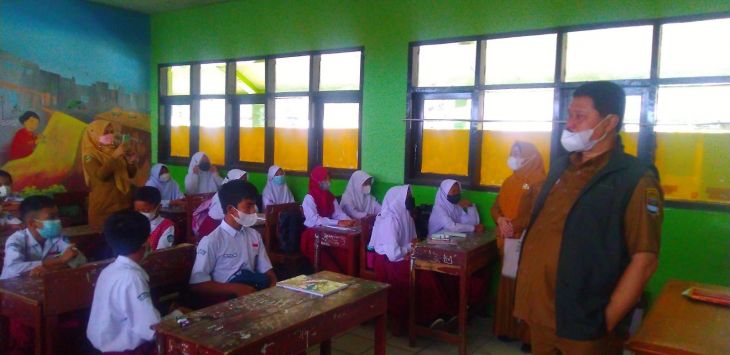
(695,244)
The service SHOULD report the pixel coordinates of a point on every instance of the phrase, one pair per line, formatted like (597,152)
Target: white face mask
(366,189)
(165,177)
(514,163)
(150,215)
(580,141)
(245,219)
(4,191)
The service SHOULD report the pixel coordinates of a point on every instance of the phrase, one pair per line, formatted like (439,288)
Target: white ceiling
(155,6)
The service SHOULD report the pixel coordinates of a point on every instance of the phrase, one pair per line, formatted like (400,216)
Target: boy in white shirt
(122,311)
(232,259)
(162,230)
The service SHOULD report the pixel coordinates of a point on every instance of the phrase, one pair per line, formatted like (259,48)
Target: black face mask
(204,166)
(454,199)
(410,203)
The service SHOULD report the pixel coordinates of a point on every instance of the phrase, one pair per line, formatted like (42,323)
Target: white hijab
(355,198)
(394,228)
(168,189)
(442,206)
(276,194)
(207,181)
(216,211)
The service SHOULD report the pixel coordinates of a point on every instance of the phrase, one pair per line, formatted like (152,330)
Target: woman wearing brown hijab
(107,171)
(511,212)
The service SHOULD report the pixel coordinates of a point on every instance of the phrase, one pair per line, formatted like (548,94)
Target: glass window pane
(693,159)
(695,49)
(251,77)
(450,64)
(292,74)
(178,80)
(446,143)
(213,129)
(291,145)
(609,54)
(341,135)
(252,132)
(524,115)
(213,79)
(340,71)
(180,131)
(527,59)
(632,118)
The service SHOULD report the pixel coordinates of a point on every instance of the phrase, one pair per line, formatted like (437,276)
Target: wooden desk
(21,298)
(471,254)
(678,325)
(178,215)
(338,239)
(279,321)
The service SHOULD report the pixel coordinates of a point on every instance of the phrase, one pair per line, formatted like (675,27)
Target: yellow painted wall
(291,149)
(213,143)
(251,144)
(631,142)
(180,141)
(445,151)
(496,146)
(340,148)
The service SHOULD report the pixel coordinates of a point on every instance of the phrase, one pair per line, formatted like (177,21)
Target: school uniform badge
(652,201)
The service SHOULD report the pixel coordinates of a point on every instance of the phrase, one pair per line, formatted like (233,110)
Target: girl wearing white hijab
(160,178)
(276,191)
(451,213)
(208,216)
(215,211)
(357,201)
(392,239)
(202,176)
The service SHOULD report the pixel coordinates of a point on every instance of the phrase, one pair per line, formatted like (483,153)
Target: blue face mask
(454,198)
(51,229)
(279,180)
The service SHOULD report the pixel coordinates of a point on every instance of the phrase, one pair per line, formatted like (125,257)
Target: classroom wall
(70,61)
(695,243)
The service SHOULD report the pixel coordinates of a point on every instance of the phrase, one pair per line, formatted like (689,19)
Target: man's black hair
(28,115)
(34,204)
(149,194)
(608,98)
(6,175)
(233,192)
(126,232)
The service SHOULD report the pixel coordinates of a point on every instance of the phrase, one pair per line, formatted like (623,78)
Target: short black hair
(149,194)
(233,192)
(35,203)
(126,231)
(608,98)
(27,115)
(6,175)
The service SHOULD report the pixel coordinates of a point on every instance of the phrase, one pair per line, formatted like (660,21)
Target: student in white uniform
(162,230)
(215,210)
(451,212)
(122,310)
(40,246)
(276,191)
(232,259)
(161,179)
(202,176)
(357,201)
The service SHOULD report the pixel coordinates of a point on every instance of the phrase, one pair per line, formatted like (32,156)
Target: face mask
(514,163)
(150,215)
(366,190)
(204,166)
(4,191)
(279,180)
(580,141)
(165,177)
(410,203)
(51,228)
(324,185)
(107,139)
(245,219)
(454,199)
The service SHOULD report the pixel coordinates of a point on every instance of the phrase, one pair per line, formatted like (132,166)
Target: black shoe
(526,348)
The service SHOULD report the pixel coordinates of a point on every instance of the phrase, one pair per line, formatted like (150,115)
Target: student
(25,139)
(357,201)
(107,172)
(122,311)
(7,199)
(394,233)
(321,209)
(162,230)
(160,179)
(232,259)
(276,191)
(40,246)
(511,213)
(215,211)
(451,213)
(202,177)
(209,214)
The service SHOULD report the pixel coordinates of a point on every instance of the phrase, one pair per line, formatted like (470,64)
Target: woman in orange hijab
(107,172)
(511,212)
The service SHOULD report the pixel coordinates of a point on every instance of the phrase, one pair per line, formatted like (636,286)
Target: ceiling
(155,6)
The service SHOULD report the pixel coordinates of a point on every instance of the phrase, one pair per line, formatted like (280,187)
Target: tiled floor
(480,341)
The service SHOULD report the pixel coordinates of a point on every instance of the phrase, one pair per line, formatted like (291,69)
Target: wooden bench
(192,202)
(366,231)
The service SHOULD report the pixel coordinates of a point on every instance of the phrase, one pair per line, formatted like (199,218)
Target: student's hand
(38,271)
(132,159)
(505,227)
(118,152)
(479,228)
(345,223)
(243,290)
(464,203)
(68,254)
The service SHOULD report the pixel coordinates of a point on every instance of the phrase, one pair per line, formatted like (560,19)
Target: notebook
(312,285)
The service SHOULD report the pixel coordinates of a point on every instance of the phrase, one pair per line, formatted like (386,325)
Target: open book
(312,285)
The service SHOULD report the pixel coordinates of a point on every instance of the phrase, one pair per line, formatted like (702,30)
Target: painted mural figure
(25,139)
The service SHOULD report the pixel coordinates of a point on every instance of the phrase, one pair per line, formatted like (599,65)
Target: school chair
(367,270)
(283,250)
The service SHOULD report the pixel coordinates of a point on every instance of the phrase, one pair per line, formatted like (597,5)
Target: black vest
(593,252)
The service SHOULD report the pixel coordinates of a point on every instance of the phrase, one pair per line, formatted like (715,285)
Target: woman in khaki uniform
(107,171)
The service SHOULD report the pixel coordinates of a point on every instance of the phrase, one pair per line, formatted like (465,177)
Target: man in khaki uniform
(594,234)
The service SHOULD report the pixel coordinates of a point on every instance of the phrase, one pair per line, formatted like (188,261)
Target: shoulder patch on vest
(652,200)
(87,158)
(170,238)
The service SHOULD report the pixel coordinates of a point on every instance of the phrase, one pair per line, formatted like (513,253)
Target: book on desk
(313,286)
